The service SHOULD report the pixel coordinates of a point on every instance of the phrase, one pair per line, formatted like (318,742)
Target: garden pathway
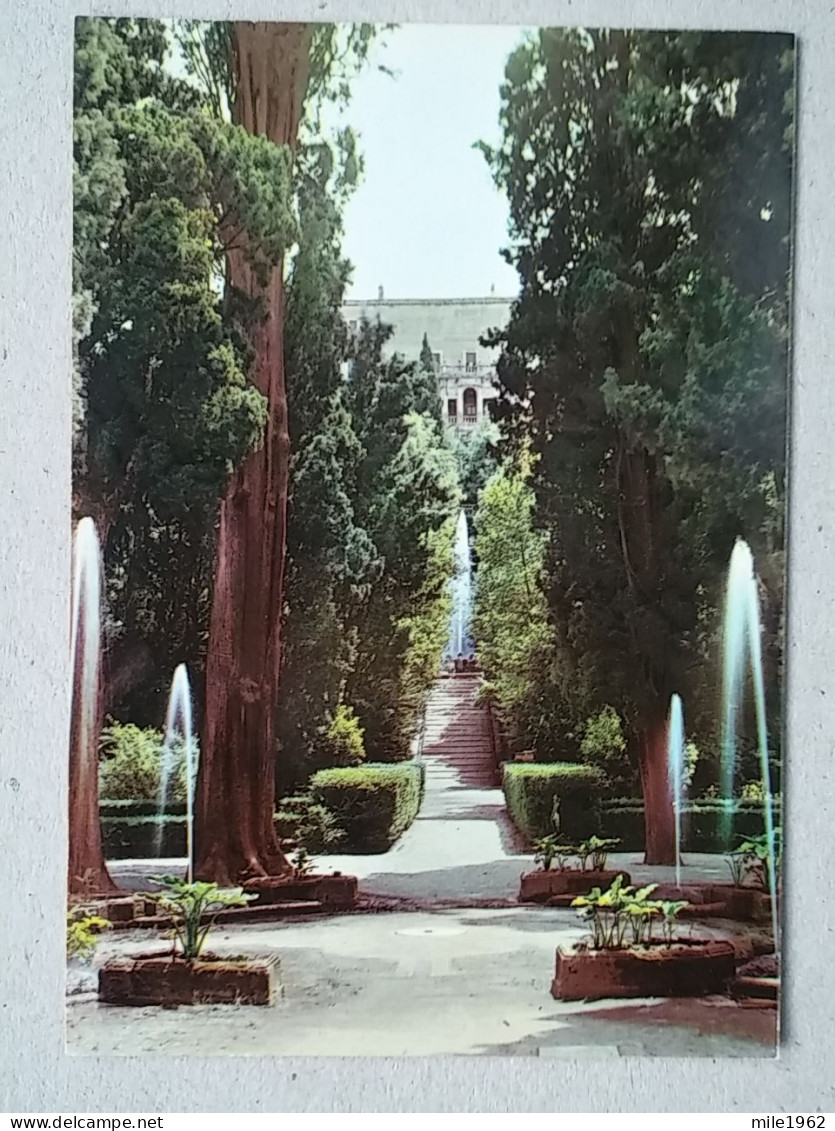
(462,847)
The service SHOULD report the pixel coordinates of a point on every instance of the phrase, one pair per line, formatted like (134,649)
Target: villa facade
(465,369)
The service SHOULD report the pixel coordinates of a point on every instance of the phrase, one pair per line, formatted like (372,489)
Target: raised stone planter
(682,970)
(211,980)
(542,886)
(336,892)
(121,910)
(724,901)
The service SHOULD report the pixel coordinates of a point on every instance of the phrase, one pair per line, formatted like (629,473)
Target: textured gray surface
(36,1074)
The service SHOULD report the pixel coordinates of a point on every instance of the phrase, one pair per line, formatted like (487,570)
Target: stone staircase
(457,749)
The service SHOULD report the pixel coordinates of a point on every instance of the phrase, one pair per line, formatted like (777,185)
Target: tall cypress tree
(637,351)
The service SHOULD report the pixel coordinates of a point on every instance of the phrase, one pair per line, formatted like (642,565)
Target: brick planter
(749,905)
(336,892)
(212,980)
(724,901)
(120,910)
(682,970)
(542,886)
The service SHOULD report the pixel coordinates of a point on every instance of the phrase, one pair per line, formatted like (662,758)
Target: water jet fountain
(87,868)
(741,642)
(178,725)
(675,763)
(460,641)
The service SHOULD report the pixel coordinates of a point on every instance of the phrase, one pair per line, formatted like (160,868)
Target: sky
(427,220)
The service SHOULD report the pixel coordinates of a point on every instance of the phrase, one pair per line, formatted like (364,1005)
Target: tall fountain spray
(460,641)
(86,860)
(675,764)
(178,725)
(741,642)
(86,630)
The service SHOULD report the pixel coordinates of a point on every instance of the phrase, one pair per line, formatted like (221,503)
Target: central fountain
(460,641)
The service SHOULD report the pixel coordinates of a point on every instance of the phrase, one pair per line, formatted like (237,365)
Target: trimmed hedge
(134,837)
(701,823)
(374,804)
(130,807)
(531,790)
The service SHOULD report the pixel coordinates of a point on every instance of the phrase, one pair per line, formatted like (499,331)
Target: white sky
(427,220)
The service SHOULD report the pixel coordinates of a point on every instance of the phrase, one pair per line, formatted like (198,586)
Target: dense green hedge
(130,807)
(701,823)
(134,837)
(531,790)
(373,804)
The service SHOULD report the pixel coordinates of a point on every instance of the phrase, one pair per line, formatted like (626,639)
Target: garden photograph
(430,393)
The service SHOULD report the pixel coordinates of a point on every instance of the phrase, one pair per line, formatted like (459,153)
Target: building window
(469,361)
(452,409)
(470,404)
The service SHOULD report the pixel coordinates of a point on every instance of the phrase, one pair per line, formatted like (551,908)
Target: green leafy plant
(756,855)
(548,849)
(670,910)
(83,932)
(624,913)
(597,849)
(737,862)
(193,908)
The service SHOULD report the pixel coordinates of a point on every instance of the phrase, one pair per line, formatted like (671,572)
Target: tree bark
(235,837)
(659,821)
(639,547)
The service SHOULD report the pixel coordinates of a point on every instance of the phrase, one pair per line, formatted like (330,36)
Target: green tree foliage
(331,561)
(475,450)
(516,642)
(644,362)
(406,497)
(131,765)
(603,745)
(165,408)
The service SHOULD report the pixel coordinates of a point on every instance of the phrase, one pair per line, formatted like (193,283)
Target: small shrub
(189,904)
(83,932)
(344,744)
(312,825)
(549,797)
(752,791)
(374,804)
(132,763)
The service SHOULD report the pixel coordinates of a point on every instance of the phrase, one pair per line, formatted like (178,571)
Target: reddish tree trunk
(659,822)
(639,546)
(235,836)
